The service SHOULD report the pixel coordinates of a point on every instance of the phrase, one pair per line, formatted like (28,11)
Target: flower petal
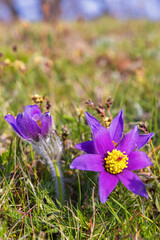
(33,111)
(88,162)
(27,127)
(143,139)
(138,160)
(12,121)
(92,120)
(87,147)
(116,128)
(102,140)
(107,182)
(128,143)
(132,182)
(46,124)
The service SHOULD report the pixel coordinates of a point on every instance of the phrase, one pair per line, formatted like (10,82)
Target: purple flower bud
(31,124)
(36,128)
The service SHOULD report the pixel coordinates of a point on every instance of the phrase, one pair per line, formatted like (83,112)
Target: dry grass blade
(94,212)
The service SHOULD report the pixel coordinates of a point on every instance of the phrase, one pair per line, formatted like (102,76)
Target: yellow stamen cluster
(39,123)
(115,161)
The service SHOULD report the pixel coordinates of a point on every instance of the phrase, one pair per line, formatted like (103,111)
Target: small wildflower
(107,121)
(40,99)
(80,112)
(37,98)
(114,156)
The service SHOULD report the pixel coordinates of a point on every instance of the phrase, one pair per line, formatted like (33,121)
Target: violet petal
(138,160)
(88,162)
(128,143)
(87,146)
(12,121)
(132,182)
(116,127)
(143,139)
(107,182)
(28,127)
(46,124)
(102,140)
(92,120)
(33,111)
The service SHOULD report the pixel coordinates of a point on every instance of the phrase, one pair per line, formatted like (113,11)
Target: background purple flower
(31,123)
(114,156)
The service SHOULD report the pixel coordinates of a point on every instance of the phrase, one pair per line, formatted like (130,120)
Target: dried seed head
(90,103)
(143,127)
(109,102)
(101,110)
(64,132)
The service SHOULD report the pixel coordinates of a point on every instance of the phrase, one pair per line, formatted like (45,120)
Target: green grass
(69,63)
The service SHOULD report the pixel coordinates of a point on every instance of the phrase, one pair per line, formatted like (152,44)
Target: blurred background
(69,56)
(37,10)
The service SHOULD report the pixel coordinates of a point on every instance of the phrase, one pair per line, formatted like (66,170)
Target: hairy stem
(59,181)
(55,172)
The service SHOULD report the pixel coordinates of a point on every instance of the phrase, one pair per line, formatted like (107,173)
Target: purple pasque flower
(36,128)
(31,124)
(114,156)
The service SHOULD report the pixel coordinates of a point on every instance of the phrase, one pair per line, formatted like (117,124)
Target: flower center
(115,161)
(39,123)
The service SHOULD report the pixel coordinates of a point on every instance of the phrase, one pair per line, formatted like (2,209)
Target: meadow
(101,67)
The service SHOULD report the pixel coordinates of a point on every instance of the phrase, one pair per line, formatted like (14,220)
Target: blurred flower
(140,76)
(80,112)
(114,156)
(7,61)
(17,64)
(38,59)
(37,98)
(44,62)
